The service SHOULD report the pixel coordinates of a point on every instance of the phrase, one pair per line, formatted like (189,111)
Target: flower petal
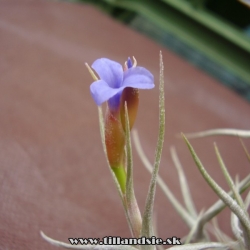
(109,71)
(138,77)
(102,92)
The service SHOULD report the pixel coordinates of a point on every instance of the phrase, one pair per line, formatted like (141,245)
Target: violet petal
(138,77)
(102,92)
(109,71)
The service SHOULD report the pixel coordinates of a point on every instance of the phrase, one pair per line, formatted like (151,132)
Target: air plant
(120,89)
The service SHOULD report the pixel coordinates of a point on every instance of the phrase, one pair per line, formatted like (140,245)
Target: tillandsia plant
(119,87)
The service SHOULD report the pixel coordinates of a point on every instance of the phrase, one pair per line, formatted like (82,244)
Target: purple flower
(117,87)
(113,80)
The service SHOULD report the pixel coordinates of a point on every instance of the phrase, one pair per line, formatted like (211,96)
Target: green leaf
(237,230)
(194,231)
(220,131)
(147,223)
(218,206)
(184,184)
(133,211)
(247,200)
(234,207)
(187,218)
(246,2)
(216,231)
(228,177)
(245,149)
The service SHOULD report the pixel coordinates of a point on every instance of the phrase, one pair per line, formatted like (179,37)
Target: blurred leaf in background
(213,35)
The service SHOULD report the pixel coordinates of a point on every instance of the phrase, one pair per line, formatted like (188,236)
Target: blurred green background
(214,35)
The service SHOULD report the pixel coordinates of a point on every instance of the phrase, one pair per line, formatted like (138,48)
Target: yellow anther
(135,62)
(125,65)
